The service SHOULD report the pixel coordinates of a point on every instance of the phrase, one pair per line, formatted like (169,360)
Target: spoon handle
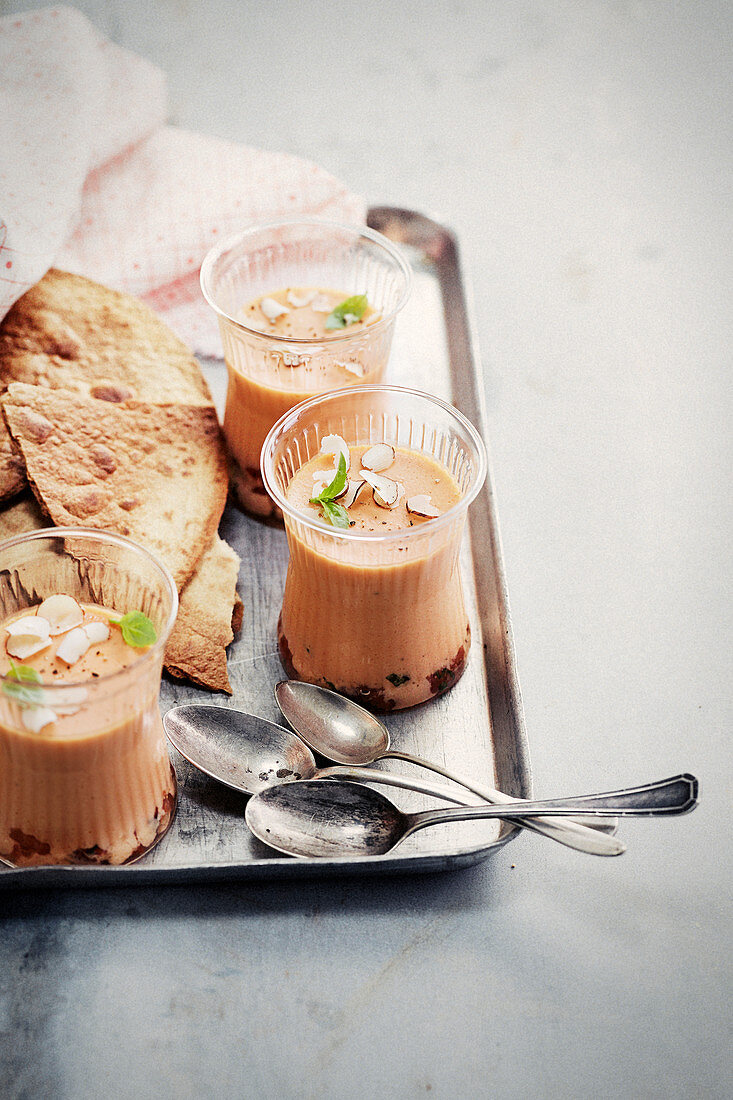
(675,795)
(570,833)
(498,798)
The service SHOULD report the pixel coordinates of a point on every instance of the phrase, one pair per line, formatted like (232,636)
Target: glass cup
(95,785)
(378,617)
(269,373)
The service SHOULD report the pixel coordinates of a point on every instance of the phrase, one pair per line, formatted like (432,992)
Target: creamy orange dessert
(380,619)
(84,772)
(308,313)
(306,340)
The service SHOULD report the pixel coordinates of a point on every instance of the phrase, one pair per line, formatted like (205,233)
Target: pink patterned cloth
(93,181)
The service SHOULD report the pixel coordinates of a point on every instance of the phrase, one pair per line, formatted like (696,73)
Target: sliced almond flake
(322,304)
(421,505)
(33,626)
(27,635)
(353,488)
(297,301)
(62,613)
(73,645)
(353,366)
(386,492)
(379,457)
(22,646)
(321,481)
(35,718)
(336,445)
(96,631)
(272,309)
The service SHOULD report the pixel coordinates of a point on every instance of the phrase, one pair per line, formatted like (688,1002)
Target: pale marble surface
(582,151)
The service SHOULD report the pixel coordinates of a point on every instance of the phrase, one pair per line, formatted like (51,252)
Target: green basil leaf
(137,629)
(338,484)
(347,312)
(26,690)
(336,487)
(335,513)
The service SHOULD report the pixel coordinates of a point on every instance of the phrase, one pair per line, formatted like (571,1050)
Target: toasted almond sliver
(73,699)
(273,309)
(386,491)
(23,646)
(320,483)
(73,645)
(62,613)
(379,457)
(297,301)
(96,631)
(336,445)
(400,494)
(35,718)
(421,505)
(27,635)
(353,488)
(30,626)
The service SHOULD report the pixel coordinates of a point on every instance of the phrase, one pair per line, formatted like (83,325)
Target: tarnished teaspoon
(346,733)
(249,754)
(326,818)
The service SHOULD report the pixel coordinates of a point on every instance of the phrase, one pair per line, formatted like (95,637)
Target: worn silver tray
(476,729)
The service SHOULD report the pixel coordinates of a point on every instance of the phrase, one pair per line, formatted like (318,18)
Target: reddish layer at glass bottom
(381,697)
(26,850)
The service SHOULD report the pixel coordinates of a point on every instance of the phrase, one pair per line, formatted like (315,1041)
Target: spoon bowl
(334,726)
(238,749)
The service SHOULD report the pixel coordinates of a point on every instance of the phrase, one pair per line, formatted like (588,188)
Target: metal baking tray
(476,729)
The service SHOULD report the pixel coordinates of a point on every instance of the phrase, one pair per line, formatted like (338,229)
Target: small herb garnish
(347,312)
(26,690)
(331,510)
(137,629)
(396,680)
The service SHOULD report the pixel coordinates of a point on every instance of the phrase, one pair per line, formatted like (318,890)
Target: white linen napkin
(93,181)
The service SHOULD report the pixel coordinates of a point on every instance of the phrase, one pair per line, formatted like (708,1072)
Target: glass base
(28,851)
(383,697)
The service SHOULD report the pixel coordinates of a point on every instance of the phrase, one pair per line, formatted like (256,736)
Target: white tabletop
(581,150)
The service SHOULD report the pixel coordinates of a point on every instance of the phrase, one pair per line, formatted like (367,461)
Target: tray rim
(466,345)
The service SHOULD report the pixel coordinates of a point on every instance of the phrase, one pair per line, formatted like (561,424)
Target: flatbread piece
(70,333)
(156,473)
(205,625)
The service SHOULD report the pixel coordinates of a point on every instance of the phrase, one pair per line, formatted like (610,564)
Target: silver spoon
(347,733)
(324,818)
(249,754)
